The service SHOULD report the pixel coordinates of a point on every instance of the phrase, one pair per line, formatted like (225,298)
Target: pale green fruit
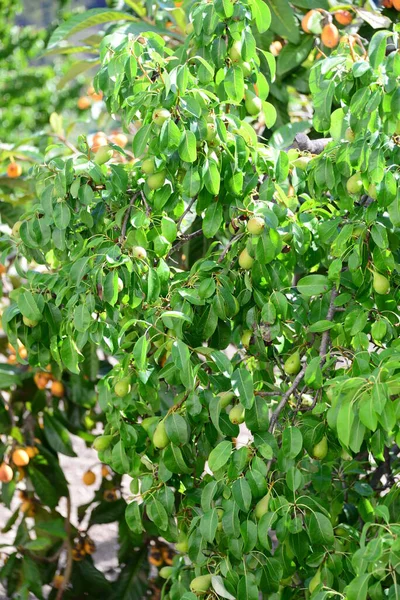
(201,584)
(103,155)
(29,322)
(148,166)
(345,455)
(315,581)
(349,135)
(182,546)
(166,572)
(102,442)
(122,387)
(156,180)
(189,28)
(236,415)
(293,154)
(148,422)
(246,337)
(354,184)
(160,438)
(211,132)
(302,162)
(16,228)
(120,285)
(225,398)
(235,52)
(252,103)
(380,283)
(262,506)
(255,225)
(245,260)
(160,115)
(292,364)
(139,252)
(372,191)
(246,69)
(320,450)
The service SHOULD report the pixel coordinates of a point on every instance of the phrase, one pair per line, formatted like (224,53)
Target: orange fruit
(89,478)
(20,457)
(98,142)
(89,546)
(3,269)
(31,451)
(6,473)
(120,139)
(57,581)
(330,36)
(83,103)
(57,389)
(23,352)
(396,4)
(305,20)
(14,170)
(96,96)
(275,48)
(387,3)
(41,379)
(12,359)
(343,17)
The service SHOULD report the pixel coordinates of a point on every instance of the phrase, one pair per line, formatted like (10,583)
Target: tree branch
(68,567)
(186,211)
(228,246)
(126,218)
(183,240)
(285,398)
(325,336)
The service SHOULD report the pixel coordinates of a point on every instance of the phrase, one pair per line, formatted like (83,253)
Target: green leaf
(140,350)
(140,140)
(242,384)
(157,513)
(57,435)
(242,494)
(187,146)
(133,517)
(234,84)
(70,355)
(283,20)
(177,428)
(292,442)
(313,285)
(291,55)
(261,15)
(211,176)
(321,326)
(43,488)
(247,588)
(28,306)
(320,529)
(220,456)
(212,219)
(82,318)
(218,586)
(358,588)
(209,524)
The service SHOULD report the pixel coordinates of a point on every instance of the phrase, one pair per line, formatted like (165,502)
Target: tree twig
(68,567)
(64,140)
(126,218)
(183,240)
(185,212)
(325,336)
(285,398)
(228,246)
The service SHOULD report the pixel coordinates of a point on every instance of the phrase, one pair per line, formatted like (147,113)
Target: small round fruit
(201,584)
(330,36)
(275,48)
(262,506)
(305,20)
(20,457)
(182,546)
(156,180)
(89,546)
(380,283)
(246,337)
(246,69)
(148,165)
(31,451)
(235,52)
(98,142)
(349,135)
(139,253)
(89,478)
(256,225)
(96,96)
(103,155)
(160,115)
(302,162)
(292,364)
(120,285)
(320,450)
(343,17)
(58,581)
(225,398)
(6,473)
(84,103)
(119,139)
(57,389)
(211,132)
(245,260)
(372,191)
(236,415)
(166,572)
(29,322)
(315,581)
(14,170)
(160,438)
(189,28)
(122,387)
(354,184)
(16,228)
(396,4)
(252,103)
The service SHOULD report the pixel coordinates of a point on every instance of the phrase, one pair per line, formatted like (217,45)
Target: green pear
(211,132)
(292,364)
(182,546)
(315,581)
(246,337)
(148,165)
(139,252)
(160,438)
(354,184)
(148,422)
(160,115)
(245,260)
(320,450)
(16,228)
(236,414)
(235,52)
(246,69)
(122,387)
(120,285)
(349,135)
(225,398)
(262,506)
(166,572)
(156,180)
(380,283)
(256,225)
(103,155)
(252,103)
(102,442)
(201,584)
(372,191)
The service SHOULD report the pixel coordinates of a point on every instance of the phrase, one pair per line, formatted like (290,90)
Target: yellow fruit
(201,584)
(89,478)
(14,170)
(380,284)
(57,389)
(245,260)
(31,451)
(292,364)
(305,20)
(120,139)
(255,225)
(160,438)
(6,473)
(57,581)
(262,506)
(83,103)
(320,450)
(122,387)
(343,17)
(160,115)
(236,415)
(330,36)
(41,379)
(20,457)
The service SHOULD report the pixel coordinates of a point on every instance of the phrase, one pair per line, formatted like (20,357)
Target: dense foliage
(244,296)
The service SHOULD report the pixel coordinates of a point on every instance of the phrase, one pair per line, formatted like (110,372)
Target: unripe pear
(262,506)
(354,184)
(252,103)
(148,422)
(236,415)
(102,442)
(120,285)
(246,337)
(372,191)
(246,69)
(302,162)
(315,581)
(225,398)
(29,322)
(380,283)
(235,52)
(160,438)
(166,572)
(122,387)
(139,252)
(16,228)
(156,180)
(292,364)
(320,450)
(201,584)
(148,165)
(182,546)
(255,225)
(349,135)
(345,455)
(245,260)
(103,155)
(211,132)
(160,115)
